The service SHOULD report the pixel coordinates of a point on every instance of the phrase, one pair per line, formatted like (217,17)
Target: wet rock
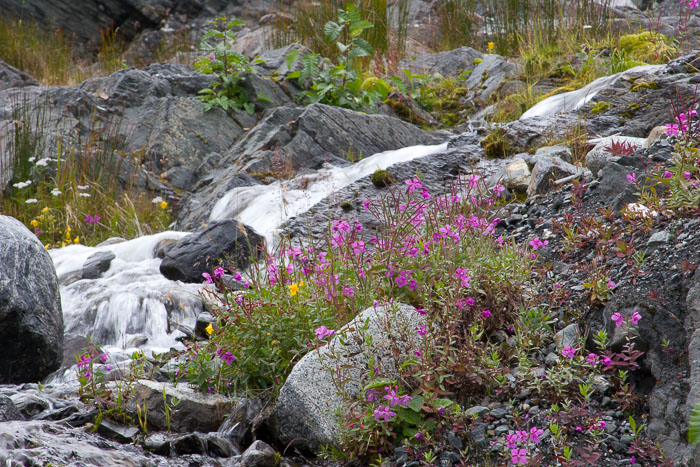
(193,443)
(158,443)
(218,446)
(31,321)
(562,152)
(659,238)
(200,251)
(546,172)
(29,405)
(97,264)
(243,421)
(116,432)
(11,77)
(476,410)
(259,454)
(599,155)
(306,411)
(8,410)
(194,412)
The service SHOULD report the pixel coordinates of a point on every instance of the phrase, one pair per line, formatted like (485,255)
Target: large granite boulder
(200,251)
(306,414)
(31,321)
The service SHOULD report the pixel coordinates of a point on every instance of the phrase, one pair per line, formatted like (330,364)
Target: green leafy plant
(340,84)
(229,66)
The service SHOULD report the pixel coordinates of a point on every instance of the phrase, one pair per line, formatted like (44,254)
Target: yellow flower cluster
(294,288)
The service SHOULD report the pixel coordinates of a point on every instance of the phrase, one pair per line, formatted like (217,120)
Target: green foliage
(647,46)
(340,84)
(69,191)
(305,20)
(496,144)
(381,178)
(694,425)
(229,66)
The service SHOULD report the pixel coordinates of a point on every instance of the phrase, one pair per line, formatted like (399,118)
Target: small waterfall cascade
(266,207)
(573,100)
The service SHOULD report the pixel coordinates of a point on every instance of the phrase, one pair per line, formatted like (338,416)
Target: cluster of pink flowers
(513,440)
(619,319)
(672,129)
(323,331)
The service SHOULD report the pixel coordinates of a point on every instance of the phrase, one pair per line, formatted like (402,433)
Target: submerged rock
(31,321)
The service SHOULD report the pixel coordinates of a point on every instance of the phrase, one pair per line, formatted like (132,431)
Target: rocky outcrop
(199,252)
(291,140)
(194,411)
(31,322)
(306,411)
(11,77)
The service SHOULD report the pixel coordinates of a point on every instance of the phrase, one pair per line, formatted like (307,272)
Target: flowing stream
(573,100)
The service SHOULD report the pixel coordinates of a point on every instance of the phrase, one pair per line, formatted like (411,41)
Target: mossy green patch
(496,145)
(641,84)
(647,46)
(381,178)
(598,107)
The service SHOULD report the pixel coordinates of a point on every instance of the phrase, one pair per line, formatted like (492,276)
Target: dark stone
(221,447)
(200,251)
(8,410)
(97,264)
(120,433)
(546,172)
(158,443)
(193,443)
(31,321)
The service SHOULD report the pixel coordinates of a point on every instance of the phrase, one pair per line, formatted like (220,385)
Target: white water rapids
(133,307)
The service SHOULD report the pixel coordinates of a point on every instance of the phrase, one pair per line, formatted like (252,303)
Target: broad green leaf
(408,415)
(416,403)
(332,30)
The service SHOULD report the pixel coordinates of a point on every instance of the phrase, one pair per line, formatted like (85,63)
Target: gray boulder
(11,77)
(194,412)
(450,63)
(515,176)
(547,171)
(259,454)
(31,321)
(599,156)
(309,401)
(200,251)
(562,152)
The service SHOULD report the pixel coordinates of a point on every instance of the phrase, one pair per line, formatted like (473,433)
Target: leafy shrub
(340,84)
(229,66)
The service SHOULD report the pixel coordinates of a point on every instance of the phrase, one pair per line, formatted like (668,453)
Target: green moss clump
(346,206)
(496,145)
(381,178)
(646,46)
(643,85)
(599,107)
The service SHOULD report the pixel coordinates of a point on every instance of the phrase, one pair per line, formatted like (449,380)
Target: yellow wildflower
(293,289)
(34,223)
(45,210)
(301,284)
(63,244)
(209,329)
(47,246)
(68,229)
(163,204)
(491,46)
(76,240)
